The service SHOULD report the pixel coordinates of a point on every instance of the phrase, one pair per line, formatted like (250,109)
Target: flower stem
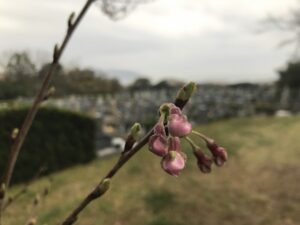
(204,137)
(191,142)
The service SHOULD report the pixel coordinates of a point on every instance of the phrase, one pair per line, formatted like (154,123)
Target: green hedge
(57,139)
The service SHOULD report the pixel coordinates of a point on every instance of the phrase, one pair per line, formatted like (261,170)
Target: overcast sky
(203,40)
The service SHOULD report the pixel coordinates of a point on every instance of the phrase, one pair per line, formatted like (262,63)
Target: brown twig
(23,190)
(16,146)
(35,204)
(96,192)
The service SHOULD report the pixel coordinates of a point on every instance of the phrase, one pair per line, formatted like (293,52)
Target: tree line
(22,77)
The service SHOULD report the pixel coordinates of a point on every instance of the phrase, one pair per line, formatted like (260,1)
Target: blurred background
(124,61)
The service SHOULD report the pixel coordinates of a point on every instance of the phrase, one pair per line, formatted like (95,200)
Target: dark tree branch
(16,146)
(23,190)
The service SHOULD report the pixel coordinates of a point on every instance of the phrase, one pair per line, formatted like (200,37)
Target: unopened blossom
(178,125)
(174,161)
(203,161)
(219,153)
(158,143)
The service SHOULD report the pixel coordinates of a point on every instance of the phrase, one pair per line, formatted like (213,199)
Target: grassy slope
(259,185)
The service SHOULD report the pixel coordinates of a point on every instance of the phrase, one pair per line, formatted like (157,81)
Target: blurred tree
(118,9)
(19,66)
(290,77)
(289,24)
(22,79)
(288,83)
(44,69)
(140,84)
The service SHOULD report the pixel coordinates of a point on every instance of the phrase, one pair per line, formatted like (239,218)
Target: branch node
(71,21)
(132,137)
(49,93)
(14,133)
(101,189)
(55,53)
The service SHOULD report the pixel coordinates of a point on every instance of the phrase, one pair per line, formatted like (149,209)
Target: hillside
(259,184)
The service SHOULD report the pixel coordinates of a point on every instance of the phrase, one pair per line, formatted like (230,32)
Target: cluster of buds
(218,154)
(172,126)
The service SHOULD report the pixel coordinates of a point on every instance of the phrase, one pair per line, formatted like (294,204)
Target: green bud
(70,20)
(49,93)
(132,137)
(135,131)
(14,133)
(164,111)
(55,52)
(172,155)
(185,94)
(104,186)
(186,91)
(164,108)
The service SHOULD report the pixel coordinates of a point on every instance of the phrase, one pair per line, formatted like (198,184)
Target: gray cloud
(218,46)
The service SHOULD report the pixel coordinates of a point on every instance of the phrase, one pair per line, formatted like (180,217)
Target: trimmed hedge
(57,139)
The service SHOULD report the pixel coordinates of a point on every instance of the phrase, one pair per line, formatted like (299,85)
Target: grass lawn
(259,185)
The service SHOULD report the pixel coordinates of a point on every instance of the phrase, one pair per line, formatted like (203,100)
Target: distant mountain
(124,76)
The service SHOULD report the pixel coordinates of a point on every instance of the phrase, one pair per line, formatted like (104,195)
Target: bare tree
(288,24)
(118,9)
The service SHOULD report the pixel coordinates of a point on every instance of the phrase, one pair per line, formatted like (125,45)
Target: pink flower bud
(203,161)
(160,129)
(178,125)
(174,145)
(158,143)
(219,153)
(173,163)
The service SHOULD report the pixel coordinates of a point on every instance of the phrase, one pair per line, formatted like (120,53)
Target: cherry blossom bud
(174,145)
(203,161)
(178,125)
(132,137)
(185,94)
(159,128)
(173,163)
(219,153)
(158,143)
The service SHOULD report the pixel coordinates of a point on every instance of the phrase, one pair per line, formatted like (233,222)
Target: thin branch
(35,204)
(96,192)
(16,146)
(23,190)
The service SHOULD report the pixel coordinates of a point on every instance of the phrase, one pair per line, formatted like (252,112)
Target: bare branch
(16,146)
(118,9)
(23,190)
